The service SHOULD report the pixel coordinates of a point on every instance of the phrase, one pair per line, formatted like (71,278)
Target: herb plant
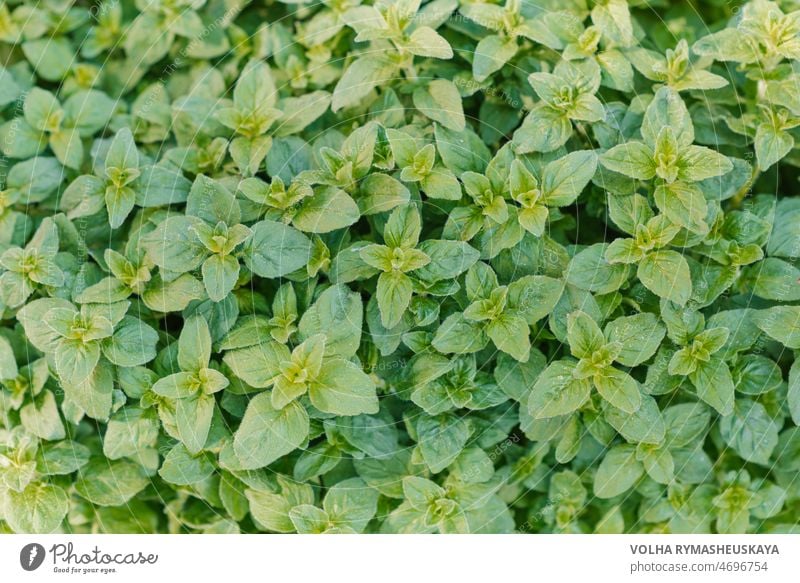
(399,266)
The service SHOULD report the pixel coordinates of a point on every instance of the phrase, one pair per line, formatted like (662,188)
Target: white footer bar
(403,558)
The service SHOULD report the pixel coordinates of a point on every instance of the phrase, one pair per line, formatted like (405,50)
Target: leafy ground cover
(394,266)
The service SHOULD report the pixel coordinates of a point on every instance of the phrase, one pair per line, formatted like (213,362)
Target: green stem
(737,199)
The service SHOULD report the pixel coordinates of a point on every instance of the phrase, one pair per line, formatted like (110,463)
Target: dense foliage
(389,266)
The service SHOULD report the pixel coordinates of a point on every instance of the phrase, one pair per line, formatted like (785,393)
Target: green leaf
(10,89)
(544,130)
(106,483)
(61,458)
(448,260)
(173,245)
(271,510)
(639,335)
(590,270)
(618,472)
(328,210)
(699,163)
(194,344)
(20,140)
(212,202)
(564,179)
(308,519)
(381,193)
(686,423)
(394,294)
(583,334)
(193,418)
(659,465)
(122,152)
(220,273)
(300,112)
(47,55)
(618,388)
(511,334)
(558,392)
(771,145)
(255,90)
(160,186)
(645,425)
(129,432)
(267,434)
(338,314)
(714,385)
(534,296)
(781,323)
(351,503)
(276,249)
(666,274)
(67,147)
(343,388)
(94,394)
(40,417)
(88,111)
(461,151)
(785,236)
(441,183)
(119,203)
(173,296)
(793,395)
(133,343)
(258,365)
(441,102)
(360,78)
(8,363)
(441,439)
(750,431)
(667,109)
(459,335)
(75,362)
(775,279)
(38,509)
(491,54)
(426,42)
(633,159)
(683,204)
(182,468)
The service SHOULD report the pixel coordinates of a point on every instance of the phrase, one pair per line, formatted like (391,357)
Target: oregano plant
(399,266)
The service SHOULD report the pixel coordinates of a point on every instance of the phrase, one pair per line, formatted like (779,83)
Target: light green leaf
(328,210)
(750,431)
(220,273)
(394,294)
(511,334)
(666,274)
(441,102)
(771,145)
(441,439)
(38,509)
(618,388)
(343,388)
(491,54)
(640,336)
(714,385)
(618,472)
(276,249)
(558,392)
(633,159)
(267,434)
(360,78)
(106,483)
